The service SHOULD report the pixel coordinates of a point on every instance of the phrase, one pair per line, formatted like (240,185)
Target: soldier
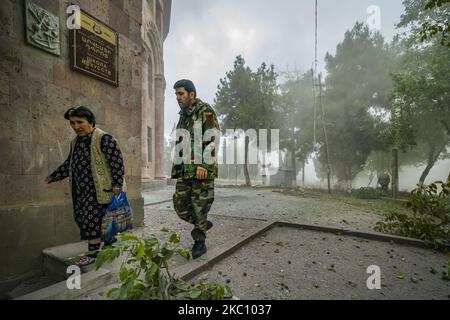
(384,181)
(194,192)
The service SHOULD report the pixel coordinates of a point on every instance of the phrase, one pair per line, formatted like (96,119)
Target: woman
(96,170)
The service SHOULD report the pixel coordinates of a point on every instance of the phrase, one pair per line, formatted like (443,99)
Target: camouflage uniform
(193,198)
(384,181)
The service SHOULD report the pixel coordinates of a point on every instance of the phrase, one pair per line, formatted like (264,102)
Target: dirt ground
(304,264)
(288,263)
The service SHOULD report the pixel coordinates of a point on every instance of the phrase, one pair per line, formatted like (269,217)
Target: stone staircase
(52,282)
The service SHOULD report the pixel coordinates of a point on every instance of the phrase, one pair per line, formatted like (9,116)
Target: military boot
(198,249)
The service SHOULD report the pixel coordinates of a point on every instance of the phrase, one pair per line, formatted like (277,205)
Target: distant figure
(384,181)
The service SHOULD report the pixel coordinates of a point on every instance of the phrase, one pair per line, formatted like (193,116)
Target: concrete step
(58,259)
(30,285)
(59,291)
(52,283)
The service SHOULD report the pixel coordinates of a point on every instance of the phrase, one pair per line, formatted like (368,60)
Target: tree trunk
(294,167)
(246,173)
(371,176)
(264,169)
(432,158)
(303,173)
(349,178)
(394,183)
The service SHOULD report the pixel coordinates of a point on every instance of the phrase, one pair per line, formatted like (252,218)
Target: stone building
(38,83)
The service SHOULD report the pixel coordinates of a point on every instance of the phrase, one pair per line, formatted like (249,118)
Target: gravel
(315,265)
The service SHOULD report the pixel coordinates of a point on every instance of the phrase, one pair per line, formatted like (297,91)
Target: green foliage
(357,87)
(246,99)
(145,275)
(368,193)
(440,25)
(414,226)
(421,93)
(429,219)
(426,200)
(428,20)
(297,109)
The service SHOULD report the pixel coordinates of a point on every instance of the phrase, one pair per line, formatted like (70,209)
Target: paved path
(236,211)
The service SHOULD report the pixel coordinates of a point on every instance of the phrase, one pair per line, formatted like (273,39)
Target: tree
(357,85)
(296,133)
(427,20)
(421,97)
(421,92)
(248,100)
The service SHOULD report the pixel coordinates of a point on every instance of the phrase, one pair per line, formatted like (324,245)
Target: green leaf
(104,257)
(153,268)
(164,230)
(140,251)
(183,252)
(151,272)
(182,295)
(401,275)
(220,292)
(125,290)
(175,238)
(228,293)
(195,293)
(112,293)
(128,237)
(123,274)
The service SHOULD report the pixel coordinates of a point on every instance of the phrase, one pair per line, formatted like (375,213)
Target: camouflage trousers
(192,200)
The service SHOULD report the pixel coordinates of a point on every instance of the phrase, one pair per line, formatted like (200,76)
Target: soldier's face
(184,98)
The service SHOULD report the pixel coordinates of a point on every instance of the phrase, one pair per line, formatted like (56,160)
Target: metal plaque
(94,49)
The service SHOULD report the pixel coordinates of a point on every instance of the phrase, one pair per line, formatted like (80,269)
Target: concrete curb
(59,291)
(157,202)
(191,269)
(236,217)
(359,234)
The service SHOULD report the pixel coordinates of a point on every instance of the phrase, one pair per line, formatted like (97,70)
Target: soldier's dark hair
(81,112)
(188,85)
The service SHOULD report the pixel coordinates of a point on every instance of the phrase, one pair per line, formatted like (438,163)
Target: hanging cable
(315,75)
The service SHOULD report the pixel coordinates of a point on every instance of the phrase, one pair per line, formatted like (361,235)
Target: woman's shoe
(83,261)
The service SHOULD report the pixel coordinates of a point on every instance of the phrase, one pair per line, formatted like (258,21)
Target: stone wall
(36,88)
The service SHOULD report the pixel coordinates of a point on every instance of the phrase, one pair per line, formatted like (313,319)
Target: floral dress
(88,213)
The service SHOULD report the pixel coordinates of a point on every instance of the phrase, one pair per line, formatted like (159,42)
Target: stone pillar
(160,87)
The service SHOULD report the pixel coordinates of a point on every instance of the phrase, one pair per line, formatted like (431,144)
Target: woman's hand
(117,190)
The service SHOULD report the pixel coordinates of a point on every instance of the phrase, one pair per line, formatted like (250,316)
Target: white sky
(206,35)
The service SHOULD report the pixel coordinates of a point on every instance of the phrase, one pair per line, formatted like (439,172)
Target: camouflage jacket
(203,113)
